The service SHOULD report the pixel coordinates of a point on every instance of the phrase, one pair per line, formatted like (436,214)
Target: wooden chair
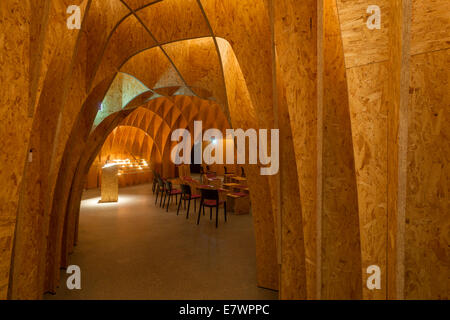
(160,190)
(210,198)
(170,192)
(155,181)
(186,195)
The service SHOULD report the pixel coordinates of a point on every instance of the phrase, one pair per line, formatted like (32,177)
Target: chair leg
(199,212)
(189,205)
(168,202)
(195,204)
(179,205)
(156,201)
(210,213)
(217,216)
(160,202)
(225,210)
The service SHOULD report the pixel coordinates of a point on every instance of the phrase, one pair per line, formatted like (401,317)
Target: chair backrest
(161,183)
(210,194)
(168,185)
(186,189)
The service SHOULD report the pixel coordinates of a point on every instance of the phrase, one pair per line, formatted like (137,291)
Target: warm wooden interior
(363,114)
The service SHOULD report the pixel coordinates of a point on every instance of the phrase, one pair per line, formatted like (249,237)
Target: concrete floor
(136,250)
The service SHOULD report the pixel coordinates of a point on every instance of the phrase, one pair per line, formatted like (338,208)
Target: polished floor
(136,250)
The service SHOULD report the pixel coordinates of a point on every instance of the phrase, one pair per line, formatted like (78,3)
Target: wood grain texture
(362,45)
(427,199)
(296,39)
(368,112)
(110,185)
(364,177)
(263,217)
(430,26)
(341,251)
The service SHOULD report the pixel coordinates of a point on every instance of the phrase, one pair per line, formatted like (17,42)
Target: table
(238,204)
(240,180)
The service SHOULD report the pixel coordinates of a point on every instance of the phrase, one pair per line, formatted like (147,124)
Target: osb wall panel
(162,72)
(103,19)
(341,251)
(254,56)
(368,111)
(129,38)
(184,18)
(362,45)
(427,200)
(14,60)
(296,43)
(293,275)
(69,161)
(249,36)
(28,248)
(198,62)
(39,25)
(243,116)
(430,25)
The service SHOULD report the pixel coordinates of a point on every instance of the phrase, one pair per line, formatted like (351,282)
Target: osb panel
(362,45)
(139,4)
(341,251)
(249,36)
(153,68)
(102,20)
(243,116)
(296,43)
(430,25)
(293,277)
(368,111)
(65,172)
(428,173)
(110,184)
(15,17)
(129,38)
(198,62)
(172,20)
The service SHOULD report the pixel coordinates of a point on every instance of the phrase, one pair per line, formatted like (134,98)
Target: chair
(210,198)
(186,195)
(242,172)
(155,181)
(160,189)
(169,193)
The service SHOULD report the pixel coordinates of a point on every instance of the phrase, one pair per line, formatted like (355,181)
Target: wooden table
(222,192)
(240,180)
(238,204)
(227,177)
